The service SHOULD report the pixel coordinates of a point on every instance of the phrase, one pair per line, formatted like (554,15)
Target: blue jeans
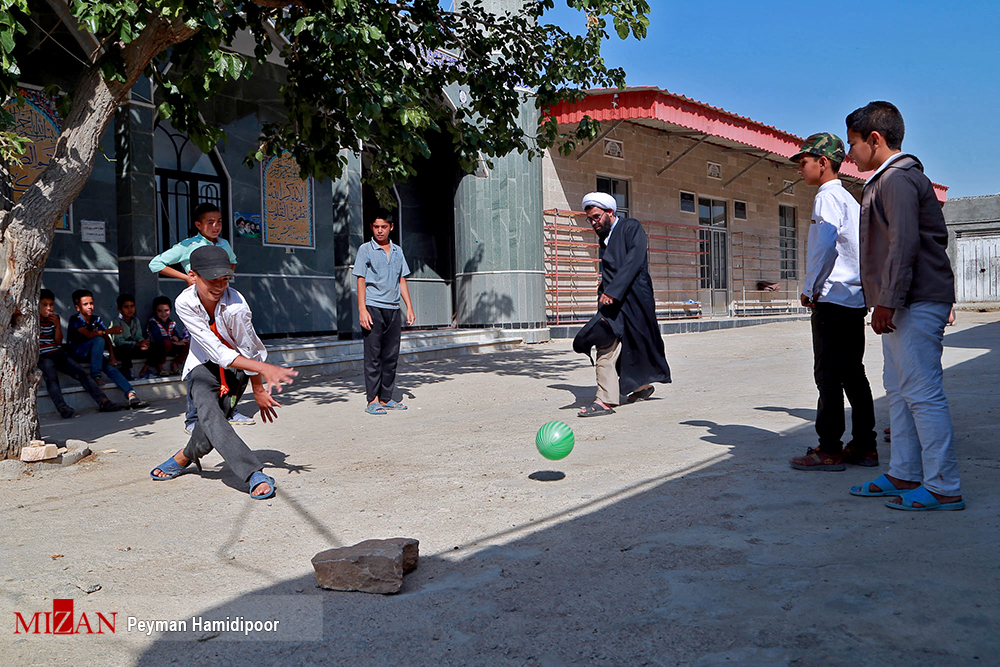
(191,413)
(92,352)
(923,443)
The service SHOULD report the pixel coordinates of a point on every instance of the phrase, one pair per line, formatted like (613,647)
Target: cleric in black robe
(632,349)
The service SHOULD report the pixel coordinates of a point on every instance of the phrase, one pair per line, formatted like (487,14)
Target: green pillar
(499,264)
(348,230)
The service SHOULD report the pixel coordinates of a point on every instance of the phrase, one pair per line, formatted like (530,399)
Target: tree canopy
(360,73)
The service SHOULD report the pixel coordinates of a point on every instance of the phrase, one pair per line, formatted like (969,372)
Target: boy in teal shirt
(208,220)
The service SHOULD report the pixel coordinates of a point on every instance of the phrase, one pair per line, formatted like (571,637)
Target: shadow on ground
(736,561)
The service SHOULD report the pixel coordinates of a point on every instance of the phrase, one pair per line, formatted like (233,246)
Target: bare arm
(404,291)
(174,273)
(364,317)
(57,336)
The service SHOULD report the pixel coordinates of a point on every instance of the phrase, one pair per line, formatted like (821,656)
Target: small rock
(74,455)
(372,566)
(39,453)
(93,588)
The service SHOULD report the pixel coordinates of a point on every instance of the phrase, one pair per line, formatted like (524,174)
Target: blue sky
(803,66)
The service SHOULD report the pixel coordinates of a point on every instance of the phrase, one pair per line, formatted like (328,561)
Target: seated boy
(52,360)
(88,339)
(166,338)
(225,354)
(129,345)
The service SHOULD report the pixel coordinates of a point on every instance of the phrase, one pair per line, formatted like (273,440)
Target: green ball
(555,440)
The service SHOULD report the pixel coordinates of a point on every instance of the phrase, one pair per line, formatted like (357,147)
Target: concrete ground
(678,535)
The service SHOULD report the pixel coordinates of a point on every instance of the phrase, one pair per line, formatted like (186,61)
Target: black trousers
(60,361)
(382,352)
(126,354)
(838,334)
(213,430)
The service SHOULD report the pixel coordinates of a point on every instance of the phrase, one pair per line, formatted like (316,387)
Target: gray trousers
(213,430)
(607,374)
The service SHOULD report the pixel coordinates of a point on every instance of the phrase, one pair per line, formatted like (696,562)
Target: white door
(977,270)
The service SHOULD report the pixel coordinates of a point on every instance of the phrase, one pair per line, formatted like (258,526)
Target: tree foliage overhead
(361,73)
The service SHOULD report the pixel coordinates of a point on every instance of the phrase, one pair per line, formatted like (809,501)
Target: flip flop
(256,480)
(640,395)
(926,498)
(394,405)
(888,488)
(171,467)
(375,409)
(595,410)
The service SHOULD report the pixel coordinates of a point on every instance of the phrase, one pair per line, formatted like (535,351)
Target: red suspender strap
(223,388)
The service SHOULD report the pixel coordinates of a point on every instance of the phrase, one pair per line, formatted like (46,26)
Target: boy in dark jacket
(907,279)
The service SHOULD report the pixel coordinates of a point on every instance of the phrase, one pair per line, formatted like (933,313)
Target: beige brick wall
(753,242)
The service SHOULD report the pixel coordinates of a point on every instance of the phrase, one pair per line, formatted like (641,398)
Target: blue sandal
(256,480)
(170,468)
(393,405)
(888,488)
(375,409)
(926,498)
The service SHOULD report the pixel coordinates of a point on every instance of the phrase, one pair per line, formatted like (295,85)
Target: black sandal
(641,394)
(595,410)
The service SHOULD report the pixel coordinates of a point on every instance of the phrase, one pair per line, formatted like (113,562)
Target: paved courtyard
(678,535)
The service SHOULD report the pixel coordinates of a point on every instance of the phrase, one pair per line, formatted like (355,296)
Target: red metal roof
(655,104)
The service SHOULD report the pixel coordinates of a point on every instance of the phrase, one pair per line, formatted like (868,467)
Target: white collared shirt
(833,266)
(885,164)
(233,320)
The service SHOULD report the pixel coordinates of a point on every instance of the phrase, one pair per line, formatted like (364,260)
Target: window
(687,202)
(185,177)
(788,243)
(711,212)
(617,188)
(740,210)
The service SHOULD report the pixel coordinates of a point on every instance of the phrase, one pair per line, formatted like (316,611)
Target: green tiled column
(348,236)
(499,267)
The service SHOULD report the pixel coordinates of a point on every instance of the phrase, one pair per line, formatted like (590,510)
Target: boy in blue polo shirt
(381,270)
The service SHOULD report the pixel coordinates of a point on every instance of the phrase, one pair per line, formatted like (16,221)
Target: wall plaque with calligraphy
(36,119)
(287,204)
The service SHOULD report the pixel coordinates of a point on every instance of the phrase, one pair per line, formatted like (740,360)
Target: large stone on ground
(39,451)
(372,566)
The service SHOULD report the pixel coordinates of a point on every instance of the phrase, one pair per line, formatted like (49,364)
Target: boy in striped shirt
(52,360)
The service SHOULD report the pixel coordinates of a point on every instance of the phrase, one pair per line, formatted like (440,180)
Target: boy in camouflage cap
(832,289)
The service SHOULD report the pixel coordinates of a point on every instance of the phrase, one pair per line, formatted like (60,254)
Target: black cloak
(625,278)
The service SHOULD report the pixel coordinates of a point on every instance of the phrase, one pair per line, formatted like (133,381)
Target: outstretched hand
(266,403)
(272,377)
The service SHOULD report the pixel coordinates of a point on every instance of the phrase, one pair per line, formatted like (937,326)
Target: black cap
(211,262)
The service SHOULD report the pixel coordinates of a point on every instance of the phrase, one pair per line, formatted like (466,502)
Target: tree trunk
(26,231)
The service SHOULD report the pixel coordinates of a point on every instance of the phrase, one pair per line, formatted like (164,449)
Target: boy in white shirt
(832,289)
(225,355)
